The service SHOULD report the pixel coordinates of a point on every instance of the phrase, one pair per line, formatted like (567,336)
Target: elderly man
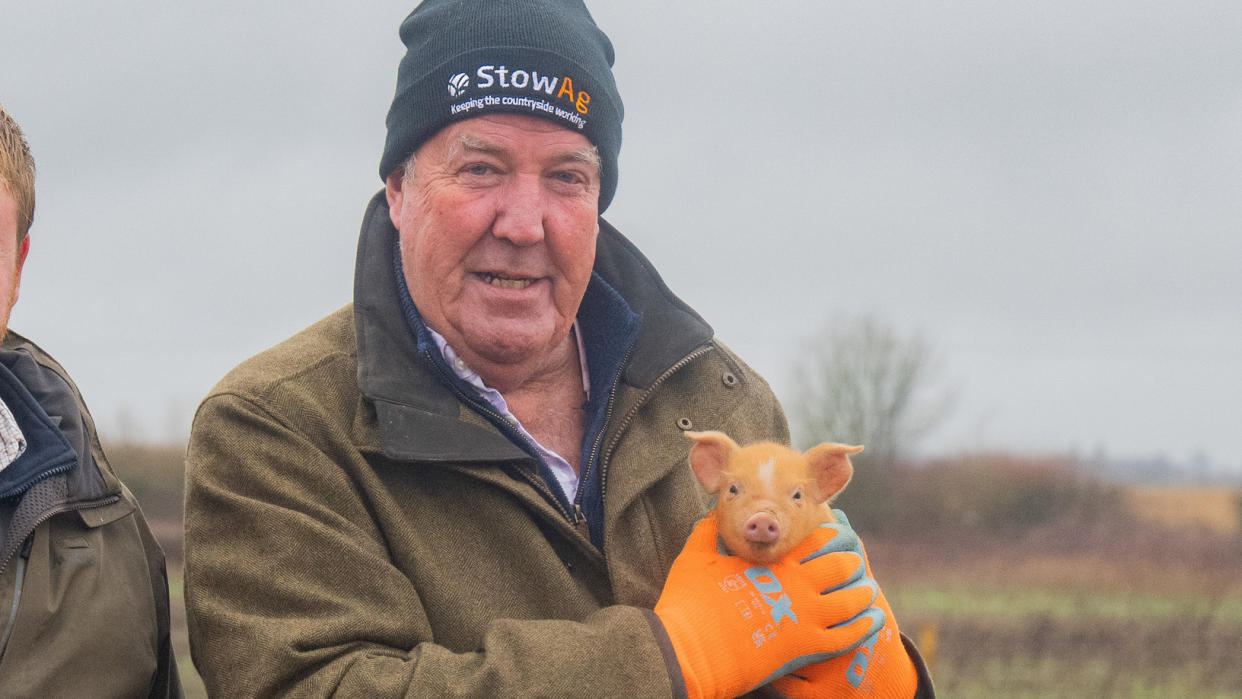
(473,481)
(83,592)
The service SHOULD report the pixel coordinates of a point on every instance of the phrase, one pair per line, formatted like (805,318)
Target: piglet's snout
(762,528)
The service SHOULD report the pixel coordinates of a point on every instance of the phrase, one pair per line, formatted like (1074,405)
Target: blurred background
(996,243)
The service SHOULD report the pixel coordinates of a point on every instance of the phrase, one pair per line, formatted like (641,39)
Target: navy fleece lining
(609,330)
(47,453)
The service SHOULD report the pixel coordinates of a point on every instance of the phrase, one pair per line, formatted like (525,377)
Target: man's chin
(511,343)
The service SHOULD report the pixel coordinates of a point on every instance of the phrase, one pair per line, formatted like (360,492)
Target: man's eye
(568,177)
(477,169)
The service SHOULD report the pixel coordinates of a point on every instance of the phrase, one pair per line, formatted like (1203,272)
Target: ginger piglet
(768,496)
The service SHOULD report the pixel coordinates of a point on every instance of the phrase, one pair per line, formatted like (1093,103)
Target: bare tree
(861,382)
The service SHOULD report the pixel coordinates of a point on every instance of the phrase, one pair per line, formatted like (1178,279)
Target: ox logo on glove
(858,665)
(767,584)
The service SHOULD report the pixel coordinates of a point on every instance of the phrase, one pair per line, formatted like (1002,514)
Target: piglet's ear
(709,457)
(829,465)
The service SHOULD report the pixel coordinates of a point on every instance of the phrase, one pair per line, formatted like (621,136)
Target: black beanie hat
(544,58)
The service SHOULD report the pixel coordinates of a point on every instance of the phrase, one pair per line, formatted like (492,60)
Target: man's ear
(830,467)
(395,192)
(21,260)
(709,456)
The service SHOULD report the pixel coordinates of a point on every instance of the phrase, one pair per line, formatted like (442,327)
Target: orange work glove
(880,667)
(735,626)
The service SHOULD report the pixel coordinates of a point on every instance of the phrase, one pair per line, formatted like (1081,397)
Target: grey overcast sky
(1051,193)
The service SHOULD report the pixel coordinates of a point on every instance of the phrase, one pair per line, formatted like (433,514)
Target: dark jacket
(355,528)
(83,589)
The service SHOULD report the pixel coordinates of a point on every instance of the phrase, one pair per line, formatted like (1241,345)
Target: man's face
(498,229)
(12,256)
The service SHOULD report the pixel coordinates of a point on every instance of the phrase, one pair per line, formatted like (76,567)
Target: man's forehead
(470,143)
(505,134)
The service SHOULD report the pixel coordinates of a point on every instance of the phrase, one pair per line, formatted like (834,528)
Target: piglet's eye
(733,490)
(797,495)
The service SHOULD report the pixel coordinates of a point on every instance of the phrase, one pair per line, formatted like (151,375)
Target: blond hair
(17,171)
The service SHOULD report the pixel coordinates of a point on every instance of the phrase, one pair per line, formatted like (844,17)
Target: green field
(1062,606)
(1039,643)
(1071,632)
(190,680)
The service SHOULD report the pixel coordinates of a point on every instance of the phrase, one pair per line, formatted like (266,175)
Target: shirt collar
(465,373)
(12,441)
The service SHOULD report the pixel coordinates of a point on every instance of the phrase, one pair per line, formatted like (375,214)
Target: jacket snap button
(683,423)
(729,379)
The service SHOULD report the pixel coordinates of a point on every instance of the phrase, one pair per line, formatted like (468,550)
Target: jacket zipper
(536,483)
(23,553)
(629,417)
(64,468)
(19,579)
(599,438)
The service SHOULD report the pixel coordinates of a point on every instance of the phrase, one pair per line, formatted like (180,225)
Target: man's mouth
(506,282)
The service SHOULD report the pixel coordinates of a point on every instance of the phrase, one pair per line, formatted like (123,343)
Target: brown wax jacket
(83,589)
(352,529)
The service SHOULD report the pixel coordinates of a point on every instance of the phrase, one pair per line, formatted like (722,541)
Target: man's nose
(519,214)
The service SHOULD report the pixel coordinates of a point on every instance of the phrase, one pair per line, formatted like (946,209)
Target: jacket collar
(59,432)
(417,418)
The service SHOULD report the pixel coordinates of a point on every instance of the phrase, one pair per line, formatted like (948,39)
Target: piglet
(768,496)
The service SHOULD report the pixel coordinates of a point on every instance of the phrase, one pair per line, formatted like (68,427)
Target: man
(473,481)
(83,590)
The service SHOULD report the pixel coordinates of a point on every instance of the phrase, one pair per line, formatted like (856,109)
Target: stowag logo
(558,87)
(458,84)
